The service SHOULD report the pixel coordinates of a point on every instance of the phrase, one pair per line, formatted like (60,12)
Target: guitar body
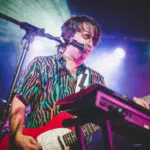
(44,134)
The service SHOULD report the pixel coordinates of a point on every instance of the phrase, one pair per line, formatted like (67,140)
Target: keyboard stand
(107,134)
(78,130)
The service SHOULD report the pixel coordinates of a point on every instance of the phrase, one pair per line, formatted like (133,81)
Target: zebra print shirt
(45,81)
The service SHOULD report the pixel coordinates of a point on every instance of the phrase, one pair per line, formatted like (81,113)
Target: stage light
(119,53)
(107,62)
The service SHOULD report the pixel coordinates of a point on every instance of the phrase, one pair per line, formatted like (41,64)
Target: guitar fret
(93,127)
(96,127)
(87,128)
(89,133)
(65,140)
(85,132)
(90,129)
(73,136)
(69,138)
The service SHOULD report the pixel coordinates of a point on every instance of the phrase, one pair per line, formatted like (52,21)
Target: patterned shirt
(45,81)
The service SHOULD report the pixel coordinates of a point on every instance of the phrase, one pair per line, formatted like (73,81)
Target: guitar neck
(88,129)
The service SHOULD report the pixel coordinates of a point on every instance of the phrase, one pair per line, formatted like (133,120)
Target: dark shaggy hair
(74,24)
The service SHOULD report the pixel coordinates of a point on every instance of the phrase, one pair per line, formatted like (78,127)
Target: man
(50,79)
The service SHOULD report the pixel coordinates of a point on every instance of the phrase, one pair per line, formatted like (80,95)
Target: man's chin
(81,58)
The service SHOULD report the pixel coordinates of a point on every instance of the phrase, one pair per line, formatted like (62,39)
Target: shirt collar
(62,60)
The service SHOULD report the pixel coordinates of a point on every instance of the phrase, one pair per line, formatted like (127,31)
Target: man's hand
(27,142)
(142,102)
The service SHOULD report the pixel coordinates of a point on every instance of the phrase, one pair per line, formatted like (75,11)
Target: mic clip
(78,45)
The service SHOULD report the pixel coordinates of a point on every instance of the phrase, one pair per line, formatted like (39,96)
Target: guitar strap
(82,80)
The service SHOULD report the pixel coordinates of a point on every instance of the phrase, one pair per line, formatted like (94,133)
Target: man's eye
(86,37)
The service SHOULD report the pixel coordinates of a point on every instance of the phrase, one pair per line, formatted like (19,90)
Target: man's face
(85,37)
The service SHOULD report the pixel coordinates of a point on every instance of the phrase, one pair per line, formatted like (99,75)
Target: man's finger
(32,147)
(141,102)
(34,142)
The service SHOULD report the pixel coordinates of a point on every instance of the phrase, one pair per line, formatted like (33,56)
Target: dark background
(118,18)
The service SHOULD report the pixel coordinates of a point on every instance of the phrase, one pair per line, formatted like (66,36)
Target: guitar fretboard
(88,129)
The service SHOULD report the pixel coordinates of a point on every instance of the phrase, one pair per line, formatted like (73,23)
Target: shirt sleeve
(29,85)
(97,78)
(101,80)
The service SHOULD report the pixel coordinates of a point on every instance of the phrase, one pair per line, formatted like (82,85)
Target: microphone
(78,45)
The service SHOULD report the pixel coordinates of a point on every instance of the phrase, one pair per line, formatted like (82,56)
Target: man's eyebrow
(87,34)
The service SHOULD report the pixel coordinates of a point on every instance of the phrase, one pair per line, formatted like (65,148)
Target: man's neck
(71,63)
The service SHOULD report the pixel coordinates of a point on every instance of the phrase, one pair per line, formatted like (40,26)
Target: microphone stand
(31,32)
